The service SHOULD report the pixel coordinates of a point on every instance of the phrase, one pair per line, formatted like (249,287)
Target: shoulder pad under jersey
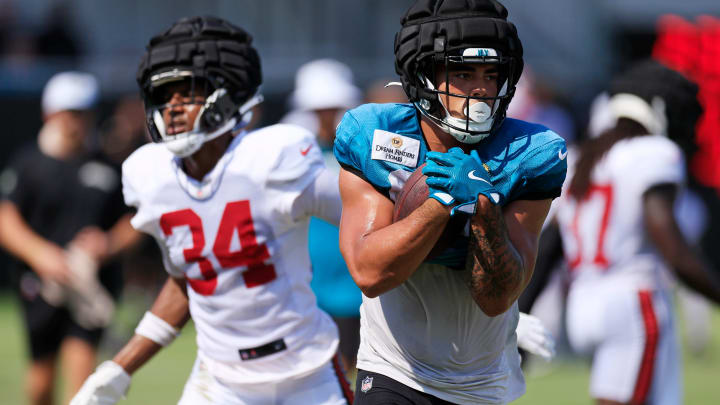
(381,143)
(526,161)
(284,153)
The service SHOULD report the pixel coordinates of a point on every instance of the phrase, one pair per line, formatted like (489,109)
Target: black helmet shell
(210,47)
(460,24)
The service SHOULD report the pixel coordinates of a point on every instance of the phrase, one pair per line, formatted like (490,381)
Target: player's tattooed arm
(496,268)
(502,251)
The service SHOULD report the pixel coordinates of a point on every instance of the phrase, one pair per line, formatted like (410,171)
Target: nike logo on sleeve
(306,150)
(562,155)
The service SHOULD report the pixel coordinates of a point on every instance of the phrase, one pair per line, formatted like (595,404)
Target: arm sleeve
(321,199)
(292,186)
(343,147)
(662,163)
(351,149)
(115,206)
(141,220)
(132,196)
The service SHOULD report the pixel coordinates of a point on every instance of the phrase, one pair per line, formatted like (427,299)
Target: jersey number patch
(605,193)
(252,255)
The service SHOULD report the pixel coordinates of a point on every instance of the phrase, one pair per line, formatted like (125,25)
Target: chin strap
(186,143)
(246,112)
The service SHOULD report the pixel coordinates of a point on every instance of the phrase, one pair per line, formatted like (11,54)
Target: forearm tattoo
(496,268)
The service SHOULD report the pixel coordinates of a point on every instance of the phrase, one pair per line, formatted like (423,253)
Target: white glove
(89,303)
(533,337)
(106,386)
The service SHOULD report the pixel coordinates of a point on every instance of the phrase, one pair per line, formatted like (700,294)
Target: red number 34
(252,255)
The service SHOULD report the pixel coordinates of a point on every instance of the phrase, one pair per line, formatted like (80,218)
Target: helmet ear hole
(211,118)
(218,109)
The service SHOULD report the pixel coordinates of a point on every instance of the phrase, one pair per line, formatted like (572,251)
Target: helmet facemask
(217,115)
(481,114)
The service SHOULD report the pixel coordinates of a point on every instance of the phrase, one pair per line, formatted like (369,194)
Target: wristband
(156,329)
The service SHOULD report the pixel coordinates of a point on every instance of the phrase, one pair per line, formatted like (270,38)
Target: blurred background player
(124,130)
(324,91)
(443,331)
(62,217)
(230,210)
(536,101)
(691,47)
(619,230)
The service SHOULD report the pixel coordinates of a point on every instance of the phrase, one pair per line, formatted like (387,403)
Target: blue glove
(455,177)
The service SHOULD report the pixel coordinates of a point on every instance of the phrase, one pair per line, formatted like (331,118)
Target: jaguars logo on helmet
(458,32)
(207,52)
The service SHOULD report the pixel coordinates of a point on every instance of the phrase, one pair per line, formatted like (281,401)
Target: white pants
(631,335)
(326,386)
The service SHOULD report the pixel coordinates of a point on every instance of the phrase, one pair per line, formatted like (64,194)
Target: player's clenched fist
(106,386)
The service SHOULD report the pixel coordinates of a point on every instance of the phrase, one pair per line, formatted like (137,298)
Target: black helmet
(213,55)
(661,99)
(457,31)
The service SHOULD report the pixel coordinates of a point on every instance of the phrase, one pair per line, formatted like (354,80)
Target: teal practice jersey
(383,144)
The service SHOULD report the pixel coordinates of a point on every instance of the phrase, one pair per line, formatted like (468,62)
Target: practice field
(161,381)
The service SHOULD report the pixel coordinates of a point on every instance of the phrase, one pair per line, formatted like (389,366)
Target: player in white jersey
(230,211)
(620,236)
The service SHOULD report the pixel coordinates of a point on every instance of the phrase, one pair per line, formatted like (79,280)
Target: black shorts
(376,389)
(48,326)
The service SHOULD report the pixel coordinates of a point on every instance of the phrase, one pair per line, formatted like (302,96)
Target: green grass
(12,352)
(161,381)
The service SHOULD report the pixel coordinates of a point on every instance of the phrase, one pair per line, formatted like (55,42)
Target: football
(413,194)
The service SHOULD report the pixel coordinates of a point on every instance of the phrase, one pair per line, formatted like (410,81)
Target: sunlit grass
(161,381)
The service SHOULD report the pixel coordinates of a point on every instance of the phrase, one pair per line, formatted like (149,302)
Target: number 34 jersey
(242,247)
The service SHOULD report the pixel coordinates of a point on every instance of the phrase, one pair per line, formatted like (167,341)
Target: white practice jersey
(242,246)
(604,234)
(437,340)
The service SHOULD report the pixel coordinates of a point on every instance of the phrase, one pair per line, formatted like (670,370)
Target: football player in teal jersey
(443,331)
